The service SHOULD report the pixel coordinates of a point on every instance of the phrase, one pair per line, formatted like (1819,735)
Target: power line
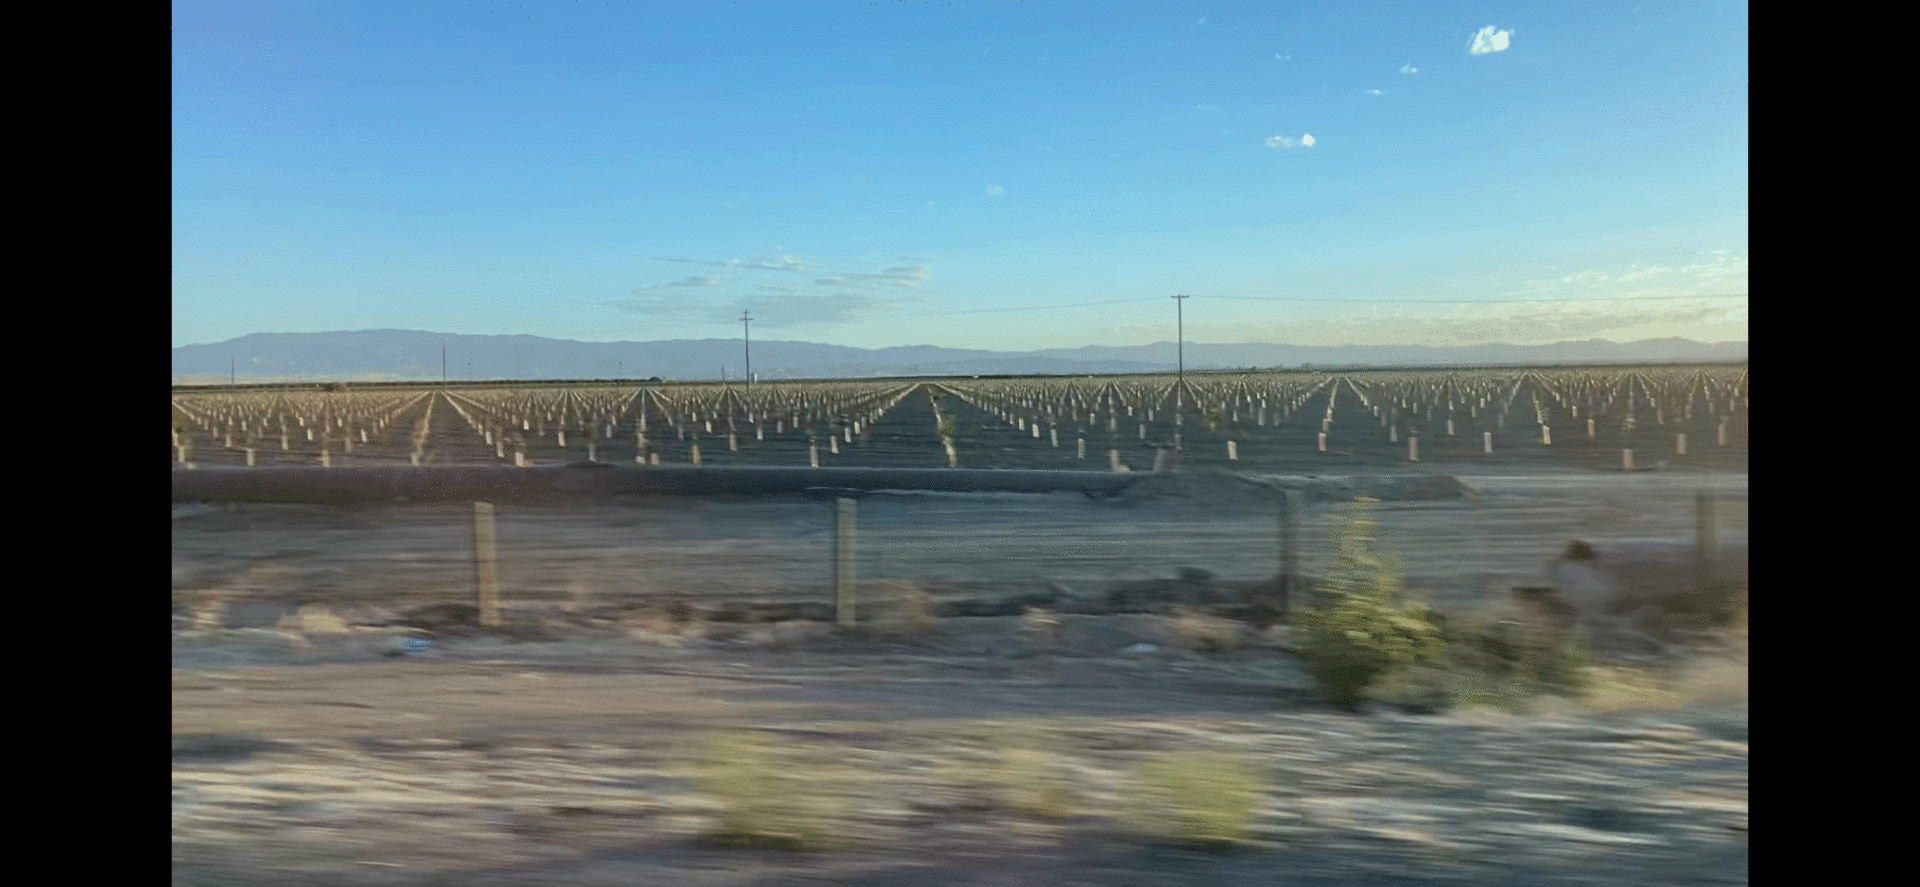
(1482,302)
(1358,302)
(1045,307)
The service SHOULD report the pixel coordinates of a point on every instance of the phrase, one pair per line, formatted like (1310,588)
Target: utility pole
(1180,379)
(230,363)
(443,363)
(748,335)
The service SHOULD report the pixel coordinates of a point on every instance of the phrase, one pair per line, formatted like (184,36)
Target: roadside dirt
(490,762)
(568,763)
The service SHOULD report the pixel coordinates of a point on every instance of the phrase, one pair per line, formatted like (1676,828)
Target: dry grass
(1031,773)
(1207,633)
(1204,799)
(657,625)
(1495,664)
(894,606)
(769,798)
(1715,677)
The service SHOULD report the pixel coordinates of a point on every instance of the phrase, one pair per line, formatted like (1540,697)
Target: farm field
(1547,421)
(565,760)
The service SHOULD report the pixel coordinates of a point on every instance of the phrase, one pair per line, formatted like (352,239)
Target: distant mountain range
(412,355)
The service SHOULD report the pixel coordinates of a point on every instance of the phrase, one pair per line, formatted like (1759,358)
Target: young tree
(1359,628)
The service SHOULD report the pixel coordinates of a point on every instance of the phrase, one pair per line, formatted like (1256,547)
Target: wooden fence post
(843,536)
(1707,534)
(1290,585)
(486,565)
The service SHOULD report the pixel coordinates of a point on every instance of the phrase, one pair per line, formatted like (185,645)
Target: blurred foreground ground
(488,762)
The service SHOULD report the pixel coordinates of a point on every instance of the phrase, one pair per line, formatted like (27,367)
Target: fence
(959,547)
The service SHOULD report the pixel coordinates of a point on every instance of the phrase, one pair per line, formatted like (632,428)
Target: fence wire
(1456,552)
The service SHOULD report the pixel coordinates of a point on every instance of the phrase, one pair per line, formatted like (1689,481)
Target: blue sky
(1002,175)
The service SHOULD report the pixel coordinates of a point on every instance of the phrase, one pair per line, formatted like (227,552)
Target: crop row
(1261,420)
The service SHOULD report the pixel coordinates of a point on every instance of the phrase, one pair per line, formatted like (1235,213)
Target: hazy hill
(416,355)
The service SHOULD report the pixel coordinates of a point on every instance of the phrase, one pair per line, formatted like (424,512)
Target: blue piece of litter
(416,645)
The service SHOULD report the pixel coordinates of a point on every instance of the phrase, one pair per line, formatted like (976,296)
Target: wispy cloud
(1725,274)
(1620,304)
(996,191)
(1371,91)
(770,311)
(1284,58)
(834,296)
(1643,273)
(1489,39)
(1305,141)
(686,283)
(783,263)
(1206,108)
(906,276)
(1409,69)
(785,312)
(1516,322)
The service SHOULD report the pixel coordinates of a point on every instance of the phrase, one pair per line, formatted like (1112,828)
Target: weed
(765,804)
(1212,798)
(1030,773)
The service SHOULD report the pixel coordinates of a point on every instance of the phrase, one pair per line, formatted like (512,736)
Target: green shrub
(1360,630)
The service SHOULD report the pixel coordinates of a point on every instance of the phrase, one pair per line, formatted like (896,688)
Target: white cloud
(693,282)
(784,263)
(1409,69)
(1284,58)
(1371,91)
(1307,140)
(996,191)
(1489,39)
(1285,142)
(1723,277)
(906,276)
(1206,107)
(1632,276)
